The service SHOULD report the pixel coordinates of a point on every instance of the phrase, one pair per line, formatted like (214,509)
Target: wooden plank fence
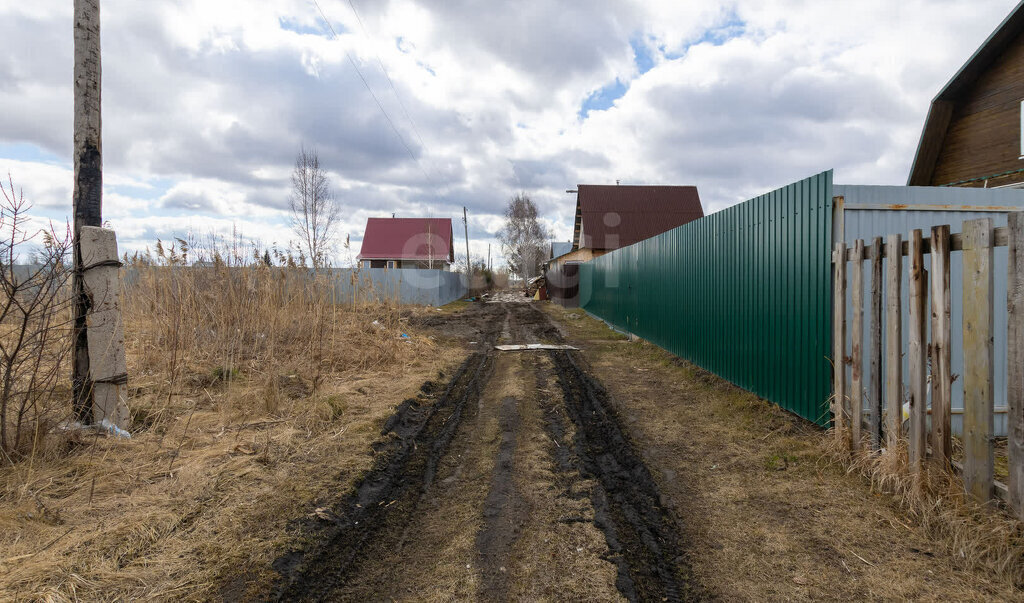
(929,446)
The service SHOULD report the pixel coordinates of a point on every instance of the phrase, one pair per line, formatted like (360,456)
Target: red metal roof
(407,239)
(614,216)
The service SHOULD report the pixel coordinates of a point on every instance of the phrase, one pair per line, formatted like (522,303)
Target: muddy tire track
(643,537)
(415,438)
(504,509)
(592,462)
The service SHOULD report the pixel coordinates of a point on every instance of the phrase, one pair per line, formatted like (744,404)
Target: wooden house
(974,132)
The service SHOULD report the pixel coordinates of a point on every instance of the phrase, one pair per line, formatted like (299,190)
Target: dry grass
(253,396)
(770,512)
(977,537)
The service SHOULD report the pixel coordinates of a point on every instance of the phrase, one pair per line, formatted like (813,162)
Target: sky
(206,104)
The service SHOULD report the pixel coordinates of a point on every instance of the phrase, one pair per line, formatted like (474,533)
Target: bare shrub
(34,326)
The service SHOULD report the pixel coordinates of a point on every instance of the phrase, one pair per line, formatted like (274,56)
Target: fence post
(978,352)
(875,352)
(942,378)
(839,339)
(1015,362)
(856,342)
(916,355)
(893,341)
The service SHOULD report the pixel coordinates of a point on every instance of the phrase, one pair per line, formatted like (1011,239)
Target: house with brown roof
(974,132)
(407,243)
(612,216)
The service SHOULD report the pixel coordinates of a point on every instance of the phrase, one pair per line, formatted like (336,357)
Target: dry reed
(251,388)
(977,537)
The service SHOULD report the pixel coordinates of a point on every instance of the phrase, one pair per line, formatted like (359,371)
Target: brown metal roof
(613,216)
(407,239)
(941,111)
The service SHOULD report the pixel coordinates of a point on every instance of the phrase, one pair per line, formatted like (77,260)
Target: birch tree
(523,238)
(314,208)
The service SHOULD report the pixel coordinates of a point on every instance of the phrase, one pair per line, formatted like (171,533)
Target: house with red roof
(407,243)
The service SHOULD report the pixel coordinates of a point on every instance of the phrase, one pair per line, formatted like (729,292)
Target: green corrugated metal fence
(744,293)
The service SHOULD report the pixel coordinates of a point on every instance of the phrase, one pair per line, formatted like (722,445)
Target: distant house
(974,132)
(613,216)
(610,217)
(558,249)
(407,243)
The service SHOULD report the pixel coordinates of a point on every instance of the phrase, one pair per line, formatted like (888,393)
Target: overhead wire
(362,78)
(394,90)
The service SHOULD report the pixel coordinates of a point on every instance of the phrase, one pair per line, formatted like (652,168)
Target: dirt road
(521,478)
(514,480)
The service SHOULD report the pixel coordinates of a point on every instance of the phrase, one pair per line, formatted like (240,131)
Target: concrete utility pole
(465,223)
(99,373)
(88,185)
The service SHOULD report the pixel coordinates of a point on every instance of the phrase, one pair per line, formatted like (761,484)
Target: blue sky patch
(731,27)
(318,30)
(602,99)
(641,55)
(24,151)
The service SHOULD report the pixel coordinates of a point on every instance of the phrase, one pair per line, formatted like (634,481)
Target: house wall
(984,134)
(415,264)
(580,255)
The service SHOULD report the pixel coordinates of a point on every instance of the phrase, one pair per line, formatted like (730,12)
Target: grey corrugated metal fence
(407,285)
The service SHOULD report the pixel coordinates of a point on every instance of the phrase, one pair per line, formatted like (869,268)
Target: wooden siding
(983,138)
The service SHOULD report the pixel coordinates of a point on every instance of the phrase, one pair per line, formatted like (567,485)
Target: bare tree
(34,323)
(315,210)
(523,237)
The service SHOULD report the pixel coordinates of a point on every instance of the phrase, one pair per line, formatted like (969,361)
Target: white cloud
(206,103)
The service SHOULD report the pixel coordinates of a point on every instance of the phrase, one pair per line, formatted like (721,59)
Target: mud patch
(416,437)
(504,510)
(642,536)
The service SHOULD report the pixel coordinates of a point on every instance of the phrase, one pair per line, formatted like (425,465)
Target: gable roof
(559,248)
(407,239)
(941,111)
(613,216)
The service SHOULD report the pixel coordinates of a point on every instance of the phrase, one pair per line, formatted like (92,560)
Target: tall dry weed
(977,536)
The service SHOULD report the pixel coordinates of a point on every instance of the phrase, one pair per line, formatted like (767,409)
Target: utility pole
(488,256)
(88,190)
(465,223)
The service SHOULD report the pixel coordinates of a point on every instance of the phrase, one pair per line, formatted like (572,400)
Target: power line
(380,106)
(386,75)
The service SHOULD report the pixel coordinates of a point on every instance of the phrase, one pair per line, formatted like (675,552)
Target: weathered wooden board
(893,342)
(839,342)
(856,343)
(978,357)
(875,350)
(942,379)
(1015,363)
(916,355)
